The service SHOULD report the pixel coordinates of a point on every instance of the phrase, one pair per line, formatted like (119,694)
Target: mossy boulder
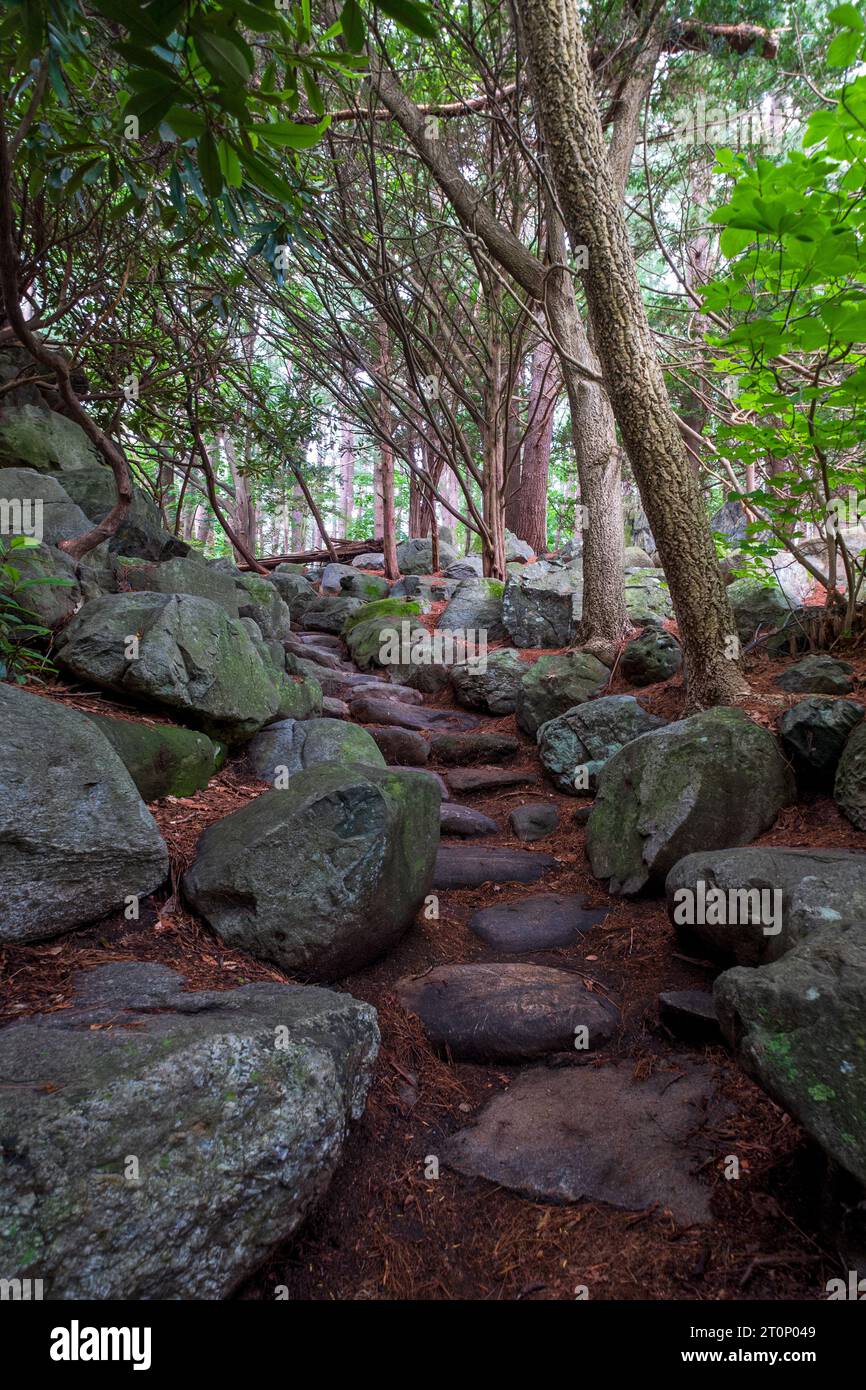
(179,653)
(541,606)
(141,533)
(416,556)
(374,633)
(76,840)
(491,685)
(260,600)
(328,613)
(797,1027)
(757,605)
(296,592)
(368,587)
(33,437)
(290,745)
(556,683)
(476,605)
(713,781)
(184,575)
(587,736)
(325,875)
(162,759)
(654,656)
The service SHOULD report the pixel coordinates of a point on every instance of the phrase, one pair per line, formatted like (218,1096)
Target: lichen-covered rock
(770,898)
(416,556)
(37,504)
(797,1027)
(76,840)
(290,745)
(586,736)
(368,587)
(541,607)
(141,533)
(181,653)
(814,733)
(379,634)
(162,759)
(647,596)
(260,600)
(333,575)
(818,674)
(713,781)
(556,683)
(323,876)
(296,592)
(59,586)
(477,604)
(235,1106)
(491,686)
(757,604)
(185,575)
(33,437)
(654,656)
(329,612)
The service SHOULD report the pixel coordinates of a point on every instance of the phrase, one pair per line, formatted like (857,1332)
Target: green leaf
(354,29)
(226,58)
(411,16)
(209,165)
(845,49)
(846,17)
(289,135)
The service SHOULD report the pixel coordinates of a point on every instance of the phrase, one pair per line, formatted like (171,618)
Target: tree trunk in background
(569,119)
(386,462)
(514,448)
(244,514)
(527,516)
(495,443)
(298,520)
(347,476)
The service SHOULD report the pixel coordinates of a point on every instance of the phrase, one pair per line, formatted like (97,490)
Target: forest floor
(385,1230)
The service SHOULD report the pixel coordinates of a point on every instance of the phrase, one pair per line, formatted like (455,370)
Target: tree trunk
(569,119)
(527,516)
(347,475)
(386,462)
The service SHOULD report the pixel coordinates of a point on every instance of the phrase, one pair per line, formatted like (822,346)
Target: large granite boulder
(814,733)
(797,1027)
(296,592)
(491,685)
(141,533)
(368,587)
(324,876)
(541,607)
(289,745)
(575,746)
(713,781)
(37,504)
(818,674)
(187,574)
(329,612)
(849,788)
(76,840)
(179,653)
(647,597)
(752,905)
(184,1135)
(260,600)
(477,604)
(33,437)
(556,683)
(654,656)
(333,575)
(416,556)
(757,605)
(161,759)
(49,584)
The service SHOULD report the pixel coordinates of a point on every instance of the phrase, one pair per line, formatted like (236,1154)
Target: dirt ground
(385,1230)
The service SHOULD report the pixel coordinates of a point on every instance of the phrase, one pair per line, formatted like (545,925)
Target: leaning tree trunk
(386,461)
(569,119)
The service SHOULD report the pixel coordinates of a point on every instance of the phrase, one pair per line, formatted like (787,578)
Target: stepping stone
(595,1133)
(321,658)
(477,779)
(690,1014)
(507,1012)
(373,709)
(534,821)
(468,866)
(462,820)
(332,708)
(405,693)
(470,748)
(322,640)
(403,747)
(535,924)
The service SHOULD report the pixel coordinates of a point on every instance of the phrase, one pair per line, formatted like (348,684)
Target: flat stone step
(478,779)
(370,709)
(405,747)
(319,639)
(539,923)
(534,821)
(506,1013)
(464,821)
(473,748)
(381,689)
(596,1133)
(332,708)
(690,1014)
(468,866)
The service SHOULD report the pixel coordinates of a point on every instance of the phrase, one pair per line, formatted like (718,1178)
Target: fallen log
(345,550)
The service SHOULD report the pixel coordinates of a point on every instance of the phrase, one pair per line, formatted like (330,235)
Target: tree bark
(386,462)
(527,515)
(570,122)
